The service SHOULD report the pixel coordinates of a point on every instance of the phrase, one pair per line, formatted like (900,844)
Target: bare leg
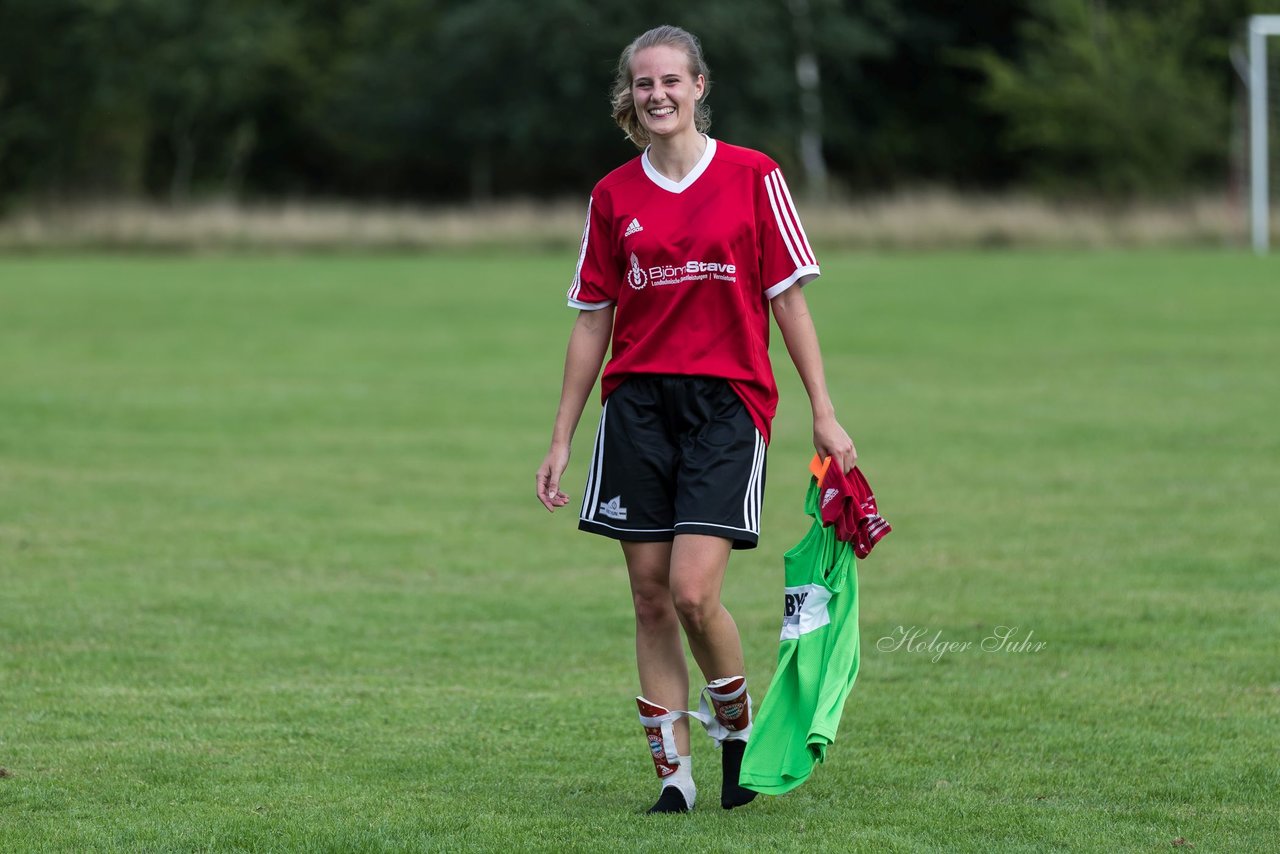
(698,565)
(664,676)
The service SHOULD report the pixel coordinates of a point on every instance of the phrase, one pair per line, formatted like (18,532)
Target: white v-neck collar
(679,186)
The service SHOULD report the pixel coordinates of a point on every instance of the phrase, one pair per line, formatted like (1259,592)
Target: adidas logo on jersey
(634,228)
(613,509)
(827,496)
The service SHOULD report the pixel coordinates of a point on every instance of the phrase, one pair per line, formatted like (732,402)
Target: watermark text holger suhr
(919,640)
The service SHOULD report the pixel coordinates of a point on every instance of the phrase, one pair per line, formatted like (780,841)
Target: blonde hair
(624,108)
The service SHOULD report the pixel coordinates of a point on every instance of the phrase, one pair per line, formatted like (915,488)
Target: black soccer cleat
(731,794)
(671,800)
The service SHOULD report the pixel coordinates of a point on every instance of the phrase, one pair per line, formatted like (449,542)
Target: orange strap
(818,466)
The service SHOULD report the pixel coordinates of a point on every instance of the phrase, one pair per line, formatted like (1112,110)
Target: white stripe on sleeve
(788,220)
(805,249)
(576,285)
(777,215)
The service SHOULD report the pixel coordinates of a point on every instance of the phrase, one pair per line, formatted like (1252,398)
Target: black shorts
(675,455)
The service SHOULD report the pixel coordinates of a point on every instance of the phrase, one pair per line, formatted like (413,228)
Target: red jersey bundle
(847,502)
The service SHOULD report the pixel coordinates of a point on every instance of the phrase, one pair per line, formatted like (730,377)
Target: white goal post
(1260,26)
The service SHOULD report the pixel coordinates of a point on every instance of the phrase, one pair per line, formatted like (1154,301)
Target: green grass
(273,577)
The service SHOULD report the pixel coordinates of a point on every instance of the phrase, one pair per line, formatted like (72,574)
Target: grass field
(273,577)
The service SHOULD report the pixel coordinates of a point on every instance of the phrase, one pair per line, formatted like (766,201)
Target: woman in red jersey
(686,250)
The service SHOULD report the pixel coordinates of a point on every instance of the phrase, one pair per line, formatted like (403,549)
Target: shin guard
(725,709)
(658,728)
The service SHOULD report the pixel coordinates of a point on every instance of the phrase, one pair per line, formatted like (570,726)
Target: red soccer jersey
(692,267)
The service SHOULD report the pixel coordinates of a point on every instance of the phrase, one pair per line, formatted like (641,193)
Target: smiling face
(665,91)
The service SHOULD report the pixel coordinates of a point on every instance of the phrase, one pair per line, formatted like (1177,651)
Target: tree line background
(444,100)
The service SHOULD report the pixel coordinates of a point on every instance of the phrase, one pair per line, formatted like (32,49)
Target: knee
(653,607)
(696,609)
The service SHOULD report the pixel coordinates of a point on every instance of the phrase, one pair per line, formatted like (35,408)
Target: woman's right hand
(549,474)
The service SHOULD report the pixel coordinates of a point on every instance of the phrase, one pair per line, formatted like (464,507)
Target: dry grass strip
(922,220)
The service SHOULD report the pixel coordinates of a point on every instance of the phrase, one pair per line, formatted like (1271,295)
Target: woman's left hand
(831,440)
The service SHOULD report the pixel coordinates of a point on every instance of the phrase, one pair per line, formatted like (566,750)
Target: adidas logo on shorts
(634,228)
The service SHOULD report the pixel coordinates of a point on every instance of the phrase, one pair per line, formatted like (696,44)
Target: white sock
(683,780)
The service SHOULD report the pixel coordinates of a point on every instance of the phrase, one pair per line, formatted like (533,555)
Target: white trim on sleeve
(589,306)
(803,276)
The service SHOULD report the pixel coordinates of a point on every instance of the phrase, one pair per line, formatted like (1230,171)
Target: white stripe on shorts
(591,494)
(755,489)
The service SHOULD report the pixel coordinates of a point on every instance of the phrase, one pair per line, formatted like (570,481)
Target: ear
(699,87)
